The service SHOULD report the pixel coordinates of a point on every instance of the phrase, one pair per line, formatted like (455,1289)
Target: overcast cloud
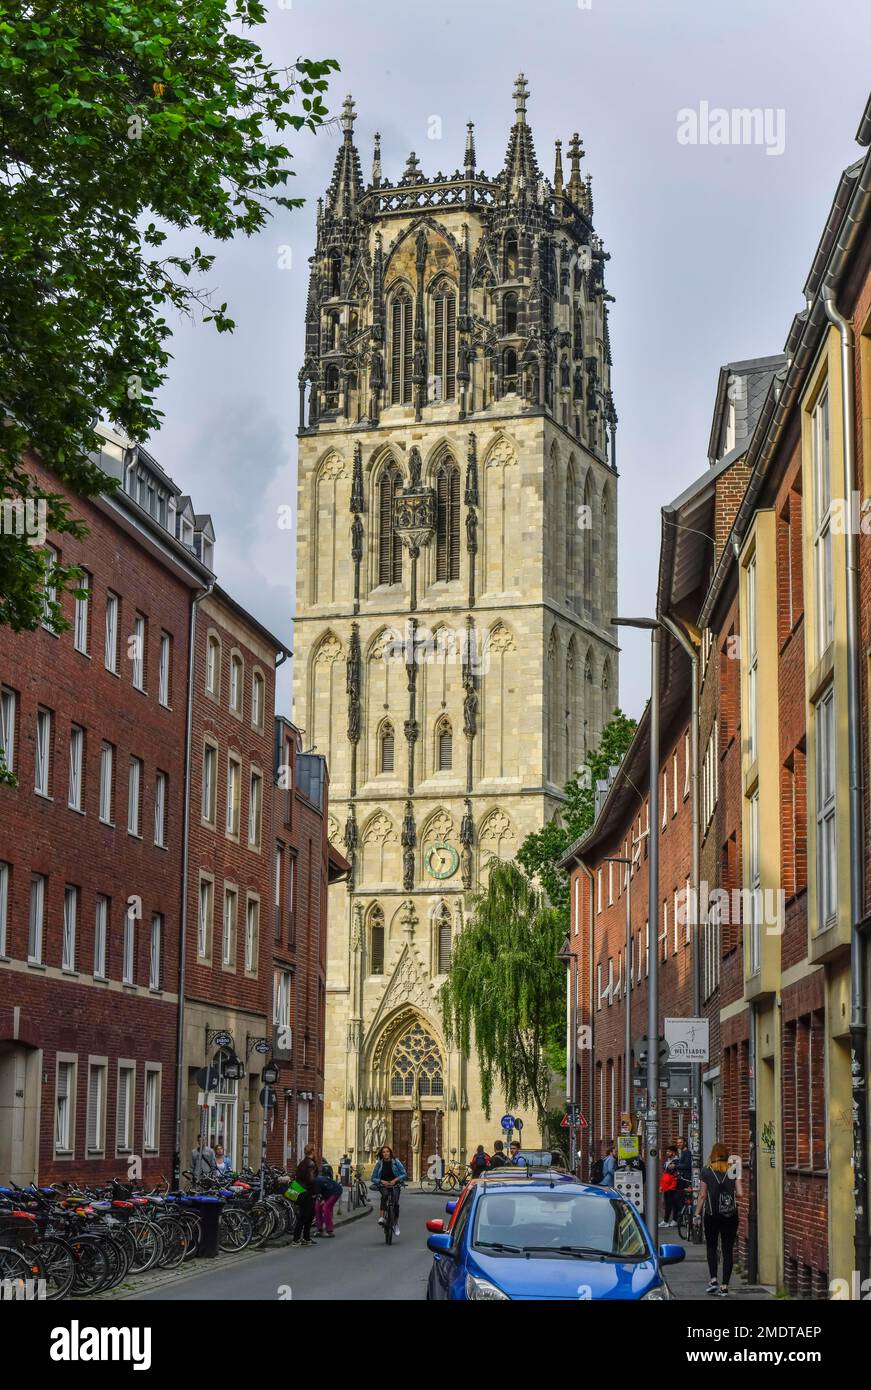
(710,244)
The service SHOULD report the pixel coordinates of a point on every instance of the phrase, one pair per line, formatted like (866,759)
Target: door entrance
(402,1145)
(19,1113)
(401,1142)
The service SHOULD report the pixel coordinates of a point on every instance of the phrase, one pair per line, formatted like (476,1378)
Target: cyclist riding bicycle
(388,1174)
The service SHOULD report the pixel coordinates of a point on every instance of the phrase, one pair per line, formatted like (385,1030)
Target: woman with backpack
(719,1194)
(306,1177)
(328,1193)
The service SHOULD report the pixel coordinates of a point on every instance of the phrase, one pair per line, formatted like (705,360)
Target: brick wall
(43,1006)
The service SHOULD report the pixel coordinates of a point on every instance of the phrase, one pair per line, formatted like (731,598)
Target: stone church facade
(454,655)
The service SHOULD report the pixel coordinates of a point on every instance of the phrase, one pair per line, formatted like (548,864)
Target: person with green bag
(306,1177)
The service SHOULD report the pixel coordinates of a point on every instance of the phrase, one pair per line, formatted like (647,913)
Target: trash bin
(208,1209)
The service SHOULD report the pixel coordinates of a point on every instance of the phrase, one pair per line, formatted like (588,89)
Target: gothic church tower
(454,656)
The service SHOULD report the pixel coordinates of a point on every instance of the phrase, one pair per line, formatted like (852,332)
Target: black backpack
(597,1170)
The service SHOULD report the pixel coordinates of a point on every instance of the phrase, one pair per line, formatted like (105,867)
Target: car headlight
(662,1291)
(480,1289)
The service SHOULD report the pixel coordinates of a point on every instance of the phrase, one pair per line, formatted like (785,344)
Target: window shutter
(442,523)
(388,749)
(440,359)
(446,750)
(378,950)
(445,942)
(454,533)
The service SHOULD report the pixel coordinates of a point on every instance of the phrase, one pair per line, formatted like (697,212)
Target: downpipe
(858,1014)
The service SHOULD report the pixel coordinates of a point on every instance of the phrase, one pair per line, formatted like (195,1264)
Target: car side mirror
(450,1207)
(671,1254)
(440,1244)
(436,1225)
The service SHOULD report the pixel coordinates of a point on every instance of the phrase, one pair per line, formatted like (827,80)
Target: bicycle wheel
(59,1262)
(450,1181)
(234,1230)
(388,1223)
(429,1185)
(683,1223)
(146,1234)
(264,1221)
(18,1267)
(92,1264)
(174,1243)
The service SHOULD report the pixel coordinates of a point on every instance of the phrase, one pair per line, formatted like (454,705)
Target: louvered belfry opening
(388,748)
(401,362)
(445,747)
(445,343)
(448,521)
(389,544)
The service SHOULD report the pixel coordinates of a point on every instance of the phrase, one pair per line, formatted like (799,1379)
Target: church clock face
(442,860)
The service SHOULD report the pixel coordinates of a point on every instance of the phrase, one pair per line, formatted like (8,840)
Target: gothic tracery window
(509,371)
(389,544)
(331,388)
(444,341)
(417,1064)
(401,360)
(511,256)
(509,313)
(448,521)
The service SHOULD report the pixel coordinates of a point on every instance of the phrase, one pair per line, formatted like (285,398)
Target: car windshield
(558,1220)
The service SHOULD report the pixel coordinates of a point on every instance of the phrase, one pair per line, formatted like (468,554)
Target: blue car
(540,1235)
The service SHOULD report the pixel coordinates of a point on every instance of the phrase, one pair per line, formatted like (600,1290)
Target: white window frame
(128,948)
(205,915)
(213,665)
(258,699)
(101,935)
(110,651)
(107,779)
(4,907)
(255,809)
(49,593)
(151,1109)
(139,655)
(209,807)
(754,942)
(282,987)
(71,914)
(234,795)
(42,767)
(822,495)
(8,712)
(65,1115)
(252,934)
(125,1106)
(36,918)
(82,615)
(163,677)
(134,798)
(826,813)
(161,785)
(95,1121)
(237,684)
(155,948)
(77,761)
(228,926)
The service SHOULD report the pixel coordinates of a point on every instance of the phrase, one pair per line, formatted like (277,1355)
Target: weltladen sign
(687,1039)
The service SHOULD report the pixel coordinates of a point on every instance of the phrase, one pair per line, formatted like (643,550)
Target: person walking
(306,1175)
(499,1159)
(684,1175)
(668,1186)
(328,1192)
(719,1195)
(480,1161)
(609,1165)
(203,1162)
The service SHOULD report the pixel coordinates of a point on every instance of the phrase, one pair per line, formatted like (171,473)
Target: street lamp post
(651,1127)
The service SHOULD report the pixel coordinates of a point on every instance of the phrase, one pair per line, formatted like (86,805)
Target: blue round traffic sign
(507,1121)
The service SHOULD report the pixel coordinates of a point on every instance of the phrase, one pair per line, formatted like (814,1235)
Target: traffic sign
(642,1047)
(518,1123)
(507,1122)
(267,1097)
(207,1078)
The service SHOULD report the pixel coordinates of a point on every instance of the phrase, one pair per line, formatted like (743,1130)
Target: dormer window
(186,532)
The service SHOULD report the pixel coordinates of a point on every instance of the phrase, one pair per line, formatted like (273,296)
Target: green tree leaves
(506,988)
(118,120)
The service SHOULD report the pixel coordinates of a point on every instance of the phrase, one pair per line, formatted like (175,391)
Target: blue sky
(710,244)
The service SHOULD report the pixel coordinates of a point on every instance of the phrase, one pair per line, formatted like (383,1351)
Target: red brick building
(305,864)
(230,883)
(91,837)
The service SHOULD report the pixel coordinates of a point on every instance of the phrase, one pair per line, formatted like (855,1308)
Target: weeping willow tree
(505,994)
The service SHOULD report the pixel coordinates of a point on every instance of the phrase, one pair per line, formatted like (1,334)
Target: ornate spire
(576,154)
(470,161)
(347,181)
(558,167)
(412,173)
(521,166)
(376,161)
